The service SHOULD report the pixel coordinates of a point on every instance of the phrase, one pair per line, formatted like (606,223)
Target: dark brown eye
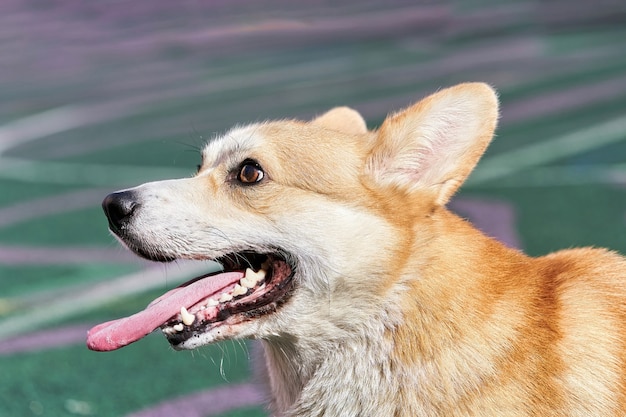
(250,173)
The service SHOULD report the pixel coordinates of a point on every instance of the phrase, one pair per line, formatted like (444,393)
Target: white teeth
(225,297)
(255,276)
(187,317)
(247,282)
(250,280)
(239,290)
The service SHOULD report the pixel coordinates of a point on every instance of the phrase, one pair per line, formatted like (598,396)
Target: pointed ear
(435,144)
(342,119)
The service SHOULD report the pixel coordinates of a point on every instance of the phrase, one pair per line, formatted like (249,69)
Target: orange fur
(399,307)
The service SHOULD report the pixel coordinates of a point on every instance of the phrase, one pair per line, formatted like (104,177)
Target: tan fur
(401,308)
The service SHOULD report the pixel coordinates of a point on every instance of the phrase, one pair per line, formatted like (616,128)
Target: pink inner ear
(431,157)
(434,144)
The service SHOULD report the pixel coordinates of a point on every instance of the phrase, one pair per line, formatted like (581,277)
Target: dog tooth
(178,327)
(239,290)
(212,302)
(250,274)
(187,317)
(247,282)
(255,276)
(225,297)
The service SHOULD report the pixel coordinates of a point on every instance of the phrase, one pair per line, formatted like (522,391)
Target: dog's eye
(250,172)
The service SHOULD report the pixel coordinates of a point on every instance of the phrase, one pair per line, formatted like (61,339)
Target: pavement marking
(75,300)
(550,150)
(212,402)
(66,255)
(72,116)
(563,100)
(57,120)
(74,173)
(560,176)
(45,339)
(50,205)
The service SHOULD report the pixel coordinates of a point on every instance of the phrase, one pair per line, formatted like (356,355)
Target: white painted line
(23,211)
(70,173)
(65,255)
(74,301)
(52,121)
(550,150)
(74,116)
(559,176)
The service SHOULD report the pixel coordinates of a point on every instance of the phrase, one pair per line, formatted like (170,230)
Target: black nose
(119,208)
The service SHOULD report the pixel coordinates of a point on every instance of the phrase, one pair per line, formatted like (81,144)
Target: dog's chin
(153,256)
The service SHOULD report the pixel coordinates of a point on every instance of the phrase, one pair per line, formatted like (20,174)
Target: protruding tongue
(119,333)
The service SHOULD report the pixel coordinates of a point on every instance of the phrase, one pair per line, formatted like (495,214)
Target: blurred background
(98,96)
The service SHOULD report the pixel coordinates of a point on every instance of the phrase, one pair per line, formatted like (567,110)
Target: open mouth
(250,286)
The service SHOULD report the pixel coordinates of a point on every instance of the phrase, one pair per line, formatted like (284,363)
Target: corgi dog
(369,297)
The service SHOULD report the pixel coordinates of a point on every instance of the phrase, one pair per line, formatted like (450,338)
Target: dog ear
(435,143)
(342,119)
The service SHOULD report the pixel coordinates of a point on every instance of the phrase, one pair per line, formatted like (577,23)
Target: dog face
(256,195)
(325,214)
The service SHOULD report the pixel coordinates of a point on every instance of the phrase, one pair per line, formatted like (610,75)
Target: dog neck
(406,343)
(335,379)
(285,373)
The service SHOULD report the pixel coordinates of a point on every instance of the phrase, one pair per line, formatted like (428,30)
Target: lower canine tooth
(187,317)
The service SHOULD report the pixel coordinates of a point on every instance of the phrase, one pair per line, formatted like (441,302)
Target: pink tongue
(119,333)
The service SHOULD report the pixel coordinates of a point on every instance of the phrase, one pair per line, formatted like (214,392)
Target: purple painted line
(48,206)
(63,256)
(534,107)
(45,339)
(206,403)
(297,30)
(560,101)
(494,218)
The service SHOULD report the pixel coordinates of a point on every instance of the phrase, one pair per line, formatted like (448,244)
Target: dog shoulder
(595,267)
(590,303)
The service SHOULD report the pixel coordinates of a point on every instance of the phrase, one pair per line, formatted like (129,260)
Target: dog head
(323,216)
